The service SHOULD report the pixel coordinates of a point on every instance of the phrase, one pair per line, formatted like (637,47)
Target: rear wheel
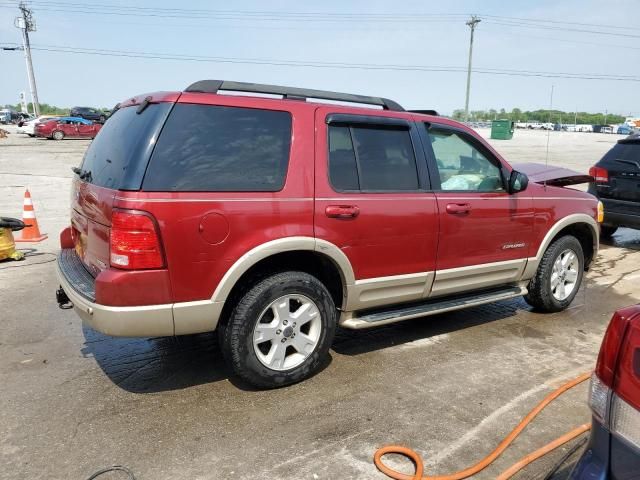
(57,135)
(607,231)
(280,331)
(558,277)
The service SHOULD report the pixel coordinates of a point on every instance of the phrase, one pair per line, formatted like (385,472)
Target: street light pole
(26,24)
(472,25)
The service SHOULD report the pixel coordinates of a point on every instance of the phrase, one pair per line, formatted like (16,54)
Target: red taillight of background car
(600,174)
(615,385)
(135,242)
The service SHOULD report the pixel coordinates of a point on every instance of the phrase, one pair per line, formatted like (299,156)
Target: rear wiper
(83,174)
(629,162)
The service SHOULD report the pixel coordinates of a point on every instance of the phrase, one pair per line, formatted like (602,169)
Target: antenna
(546,161)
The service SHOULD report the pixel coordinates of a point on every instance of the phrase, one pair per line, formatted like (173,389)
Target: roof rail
(426,112)
(214,86)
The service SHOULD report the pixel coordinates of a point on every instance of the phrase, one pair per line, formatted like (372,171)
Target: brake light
(600,174)
(615,386)
(135,242)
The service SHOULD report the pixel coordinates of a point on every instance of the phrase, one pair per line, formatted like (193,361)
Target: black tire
(540,294)
(236,337)
(57,135)
(607,231)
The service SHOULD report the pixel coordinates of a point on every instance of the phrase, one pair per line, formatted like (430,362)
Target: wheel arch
(581,226)
(317,257)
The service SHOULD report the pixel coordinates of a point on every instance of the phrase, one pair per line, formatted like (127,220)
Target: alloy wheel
(564,275)
(287,332)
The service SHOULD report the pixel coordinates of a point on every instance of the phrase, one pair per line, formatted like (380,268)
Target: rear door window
(374,159)
(205,148)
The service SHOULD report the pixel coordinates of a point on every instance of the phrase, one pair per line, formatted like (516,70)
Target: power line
(284,16)
(320,64)
(562,29)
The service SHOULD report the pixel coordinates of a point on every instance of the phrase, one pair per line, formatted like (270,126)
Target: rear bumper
(621,213)
(594,462)
(143,321)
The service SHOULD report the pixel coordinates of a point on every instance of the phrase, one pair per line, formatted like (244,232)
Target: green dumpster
(502,129)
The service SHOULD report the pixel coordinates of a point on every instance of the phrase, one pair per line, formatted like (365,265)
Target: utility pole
(27,24)
(472,25)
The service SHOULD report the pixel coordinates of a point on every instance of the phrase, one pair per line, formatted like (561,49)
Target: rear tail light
(600,174)
(135,242)
(625,421)
(614,396)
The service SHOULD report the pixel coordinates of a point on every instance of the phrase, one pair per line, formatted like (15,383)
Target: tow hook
(62,299)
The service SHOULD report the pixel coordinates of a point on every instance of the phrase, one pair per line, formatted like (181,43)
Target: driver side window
(461,166)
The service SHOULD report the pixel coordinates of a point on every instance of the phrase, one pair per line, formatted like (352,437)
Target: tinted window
(371,159)
(624,151)
(118,156)
(343,172)
(462,166)
(213,148)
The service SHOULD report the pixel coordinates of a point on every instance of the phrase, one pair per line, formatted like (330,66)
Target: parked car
(88,113)
(274,220)
(624,130)
(613,452)
(67,127)
(28,127)
(617,176)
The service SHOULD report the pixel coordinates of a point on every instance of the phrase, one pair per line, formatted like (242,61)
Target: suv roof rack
(214,86)
(426,112)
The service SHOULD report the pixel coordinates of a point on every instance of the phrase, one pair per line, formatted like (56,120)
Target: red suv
(273,220)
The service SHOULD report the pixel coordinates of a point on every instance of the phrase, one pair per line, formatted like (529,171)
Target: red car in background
(67,127)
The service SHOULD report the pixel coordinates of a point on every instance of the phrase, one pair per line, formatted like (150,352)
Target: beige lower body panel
(375,292)
(475,277)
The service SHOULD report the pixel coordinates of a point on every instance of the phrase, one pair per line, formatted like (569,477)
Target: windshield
(118,156)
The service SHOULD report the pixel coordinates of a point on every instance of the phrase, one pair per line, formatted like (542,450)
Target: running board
(398,313)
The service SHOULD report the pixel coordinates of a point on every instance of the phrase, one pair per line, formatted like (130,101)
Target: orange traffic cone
(31,233)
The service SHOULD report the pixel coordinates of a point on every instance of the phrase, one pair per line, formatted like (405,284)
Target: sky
(381,48)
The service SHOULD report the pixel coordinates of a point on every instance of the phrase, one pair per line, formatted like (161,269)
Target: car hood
(556,176)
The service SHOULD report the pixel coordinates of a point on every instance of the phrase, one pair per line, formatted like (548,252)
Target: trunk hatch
(115,160)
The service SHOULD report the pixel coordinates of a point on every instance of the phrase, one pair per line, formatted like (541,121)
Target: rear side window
(624,151)
(118,156)
(371,159)
(221,149)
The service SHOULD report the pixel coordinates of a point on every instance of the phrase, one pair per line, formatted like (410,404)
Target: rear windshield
(624,151)
(221,149)
(118,156)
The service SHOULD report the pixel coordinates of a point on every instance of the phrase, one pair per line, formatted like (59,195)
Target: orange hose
(541,452)
(486,461)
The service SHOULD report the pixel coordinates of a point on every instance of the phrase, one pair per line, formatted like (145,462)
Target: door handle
(458,208)
(342,211)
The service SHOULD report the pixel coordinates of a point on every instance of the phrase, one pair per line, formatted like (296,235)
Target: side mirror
(517,182)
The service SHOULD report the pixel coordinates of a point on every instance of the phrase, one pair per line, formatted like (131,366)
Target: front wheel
(58,135)
(280,331)
(558,277)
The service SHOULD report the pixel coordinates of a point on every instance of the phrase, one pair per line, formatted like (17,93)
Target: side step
(397,313)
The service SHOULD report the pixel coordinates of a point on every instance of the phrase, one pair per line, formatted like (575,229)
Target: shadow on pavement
(354,342)
(624,238)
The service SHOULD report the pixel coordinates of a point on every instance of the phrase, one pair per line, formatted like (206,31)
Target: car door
(373,201)
(85,130)
(485,232)
(67,127)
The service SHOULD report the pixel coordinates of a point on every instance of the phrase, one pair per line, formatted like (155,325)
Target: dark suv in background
(88,113)
(617,185)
